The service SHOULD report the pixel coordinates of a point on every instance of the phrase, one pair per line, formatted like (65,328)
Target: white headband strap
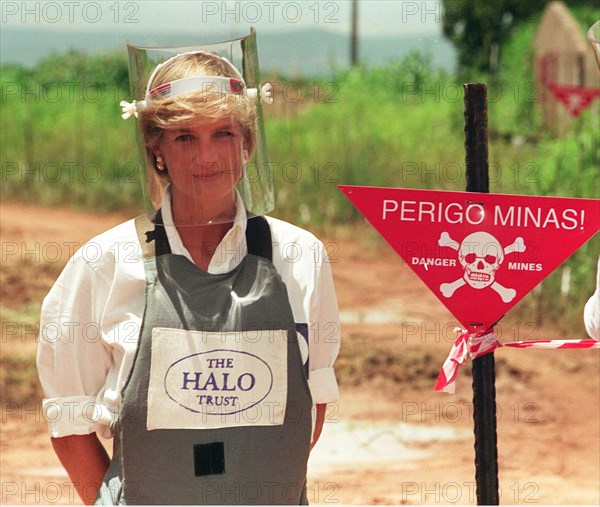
(197,83)
(193,84)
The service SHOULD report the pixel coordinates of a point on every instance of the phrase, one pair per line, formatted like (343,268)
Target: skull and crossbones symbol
(480,254)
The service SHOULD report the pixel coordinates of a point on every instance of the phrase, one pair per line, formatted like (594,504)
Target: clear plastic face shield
(200,131)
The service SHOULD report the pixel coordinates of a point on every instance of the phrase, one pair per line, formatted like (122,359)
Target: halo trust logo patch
(218,382)
(197,375)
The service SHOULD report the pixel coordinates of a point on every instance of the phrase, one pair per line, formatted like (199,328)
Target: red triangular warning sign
(574,98)
(479,253)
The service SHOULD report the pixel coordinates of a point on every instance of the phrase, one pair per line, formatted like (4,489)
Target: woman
(195,338)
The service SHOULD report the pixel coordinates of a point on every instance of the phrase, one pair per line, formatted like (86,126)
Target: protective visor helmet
(200,130)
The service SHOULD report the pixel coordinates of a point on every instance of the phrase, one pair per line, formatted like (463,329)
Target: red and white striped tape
(479,344)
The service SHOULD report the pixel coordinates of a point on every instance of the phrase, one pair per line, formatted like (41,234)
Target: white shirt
(92,316)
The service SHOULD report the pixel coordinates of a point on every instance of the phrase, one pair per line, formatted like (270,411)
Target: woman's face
(203,160)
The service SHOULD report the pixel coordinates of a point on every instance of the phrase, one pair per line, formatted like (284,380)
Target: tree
(478,28)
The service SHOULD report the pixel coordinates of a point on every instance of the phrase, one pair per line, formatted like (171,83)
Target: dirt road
(391,439)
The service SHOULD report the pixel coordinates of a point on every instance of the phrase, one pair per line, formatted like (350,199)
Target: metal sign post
(484,389)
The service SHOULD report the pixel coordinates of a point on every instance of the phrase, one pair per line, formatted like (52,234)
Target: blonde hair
(182,110)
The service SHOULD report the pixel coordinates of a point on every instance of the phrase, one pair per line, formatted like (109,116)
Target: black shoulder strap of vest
(153,237)
(258,237)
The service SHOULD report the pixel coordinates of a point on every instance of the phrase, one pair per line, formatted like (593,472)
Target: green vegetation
(63,142)
(478,29)
(375,127)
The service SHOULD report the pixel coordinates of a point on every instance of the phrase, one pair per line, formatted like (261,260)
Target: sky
(376,17)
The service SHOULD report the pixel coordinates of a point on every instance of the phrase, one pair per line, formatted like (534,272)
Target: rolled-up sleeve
(324,335)
(72,359)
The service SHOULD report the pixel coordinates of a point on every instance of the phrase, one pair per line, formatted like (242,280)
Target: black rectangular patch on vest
(209,459)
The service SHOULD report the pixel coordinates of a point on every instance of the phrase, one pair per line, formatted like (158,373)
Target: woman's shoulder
(107,242)
(295,249)
(113,255)
(113,250)
(284,231)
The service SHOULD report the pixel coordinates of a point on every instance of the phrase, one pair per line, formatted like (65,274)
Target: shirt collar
(233,247)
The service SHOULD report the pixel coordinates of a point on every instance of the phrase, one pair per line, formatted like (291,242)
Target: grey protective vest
(223,466)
